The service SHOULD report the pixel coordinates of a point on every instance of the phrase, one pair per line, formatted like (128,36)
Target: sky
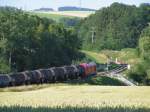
(94,4)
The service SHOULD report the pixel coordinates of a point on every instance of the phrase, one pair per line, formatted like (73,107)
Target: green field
(95,56)
(51,16)
(82,98)
(63,14)
(127,55)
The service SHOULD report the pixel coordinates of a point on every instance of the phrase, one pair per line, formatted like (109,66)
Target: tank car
(48,75)
(19,78)
(5,80)
(72,71)
(35,77)
(60,73)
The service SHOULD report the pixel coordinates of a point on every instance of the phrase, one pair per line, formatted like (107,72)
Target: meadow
(53,16)
(77,98)
(62,14)
(128,55)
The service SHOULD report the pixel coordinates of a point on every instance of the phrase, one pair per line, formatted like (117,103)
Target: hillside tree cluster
(141,71)
(115,27)
(29,42)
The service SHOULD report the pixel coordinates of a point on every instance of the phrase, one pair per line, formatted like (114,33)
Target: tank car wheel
(45,81)
(24,83)
(66,77)
(54,79)
(42,81)
(27,83)
(12,84)
(76,75)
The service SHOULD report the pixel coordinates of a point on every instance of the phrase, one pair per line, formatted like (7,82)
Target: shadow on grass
(96,80)
(73,109)
(93,80)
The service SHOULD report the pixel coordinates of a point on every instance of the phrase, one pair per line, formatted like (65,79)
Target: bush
(140,73)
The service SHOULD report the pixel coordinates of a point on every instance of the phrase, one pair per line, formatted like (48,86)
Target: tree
(141,71)
(28,42)
(118,26)
(144,44)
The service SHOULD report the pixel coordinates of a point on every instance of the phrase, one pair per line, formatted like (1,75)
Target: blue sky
(95,4)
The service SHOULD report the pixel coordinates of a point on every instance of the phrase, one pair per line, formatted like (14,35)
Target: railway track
(117,74)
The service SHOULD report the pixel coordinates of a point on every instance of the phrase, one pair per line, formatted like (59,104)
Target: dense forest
(115,27)
(29,42)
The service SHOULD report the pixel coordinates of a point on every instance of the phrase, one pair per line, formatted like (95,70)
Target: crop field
(63,14)
(53,16)
(77,98)
(81,14)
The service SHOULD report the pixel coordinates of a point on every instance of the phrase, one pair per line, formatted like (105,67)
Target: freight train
(54,74)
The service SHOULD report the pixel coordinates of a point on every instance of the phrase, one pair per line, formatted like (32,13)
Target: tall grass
(79,96)
(73,109)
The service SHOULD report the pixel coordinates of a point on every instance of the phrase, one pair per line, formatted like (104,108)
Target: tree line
(29,42)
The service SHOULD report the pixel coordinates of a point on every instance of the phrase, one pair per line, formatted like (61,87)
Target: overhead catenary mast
(93,34)
(80,4)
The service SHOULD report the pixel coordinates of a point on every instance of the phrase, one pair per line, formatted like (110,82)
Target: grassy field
(50,16)
(81,14)
(77,98)
(98,80)
(63,14)
(128,55)
(97,57)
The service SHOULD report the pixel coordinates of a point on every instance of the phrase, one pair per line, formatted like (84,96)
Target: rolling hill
(72,8)
(44,9)
(56,15)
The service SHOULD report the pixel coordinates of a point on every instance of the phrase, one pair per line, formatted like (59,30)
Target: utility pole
(80,2)
(93,34)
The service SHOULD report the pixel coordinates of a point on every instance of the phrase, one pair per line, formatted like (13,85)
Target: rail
(116,73)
